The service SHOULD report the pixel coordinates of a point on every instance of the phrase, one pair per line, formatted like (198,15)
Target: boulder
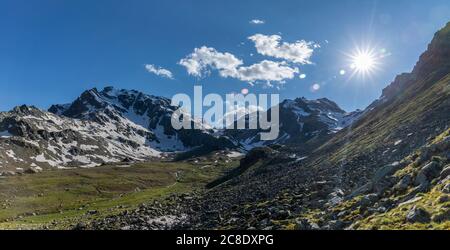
(446,189)
(32,170)
(335,225)
(80,226)
(428,173)
(387,170)
(443,198)
(364,189)
(445,172)
(421,180)
(305,224)
(127,160)
(442,216)
(281,214)
(418,215)
(368,200)
(8,173)
(92,212)
(403,184)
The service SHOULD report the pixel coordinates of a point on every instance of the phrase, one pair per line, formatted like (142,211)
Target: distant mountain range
(126,125)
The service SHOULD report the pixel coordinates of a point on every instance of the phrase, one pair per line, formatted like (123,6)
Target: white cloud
(199,63)
(297,52)
(159,71)
(257,21)
(266,71)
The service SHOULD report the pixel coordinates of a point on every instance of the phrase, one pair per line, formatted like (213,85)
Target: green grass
(395,219)
(66,196)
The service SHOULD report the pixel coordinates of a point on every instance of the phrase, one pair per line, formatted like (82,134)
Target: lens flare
(315,87)
(244,91)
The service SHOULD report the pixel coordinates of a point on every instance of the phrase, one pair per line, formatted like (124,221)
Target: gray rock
(368,200)
(441,217)
(31,171)
(305,224)
(335,225)
(421,180)
(80,226)
(264,223)
(342,213)
(387,170)
(8,173)
(92,212)
(366,188)
(403,184)
(445,172)
(428,173)
(381,209)
(444,198)
(446,188)
(281,214)
(387,203)
(417,214)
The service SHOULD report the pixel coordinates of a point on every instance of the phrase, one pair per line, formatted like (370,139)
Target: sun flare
(364,62)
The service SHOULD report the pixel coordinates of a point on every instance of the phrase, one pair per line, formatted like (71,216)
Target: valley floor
(64,199)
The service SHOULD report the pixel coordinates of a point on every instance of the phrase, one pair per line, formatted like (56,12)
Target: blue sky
(50,51)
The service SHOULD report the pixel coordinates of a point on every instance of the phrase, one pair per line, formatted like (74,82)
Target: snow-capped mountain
(98,127)
(31,137)
(301,120)
(151,113)
(114,125)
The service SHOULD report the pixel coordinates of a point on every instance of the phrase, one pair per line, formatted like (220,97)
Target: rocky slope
(413,193)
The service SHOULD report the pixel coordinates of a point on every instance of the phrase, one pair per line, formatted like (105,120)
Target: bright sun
(364,62)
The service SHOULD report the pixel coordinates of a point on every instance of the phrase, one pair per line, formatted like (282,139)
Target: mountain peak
(432,63)
(323,104)
(25,109)
(435,58)
(126,101)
